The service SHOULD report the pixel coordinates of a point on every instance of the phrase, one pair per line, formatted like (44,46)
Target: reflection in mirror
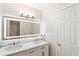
(28,28)
(14,28)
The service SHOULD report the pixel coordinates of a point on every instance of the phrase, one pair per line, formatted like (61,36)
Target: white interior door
(61,34)
(75,31)
(68,31)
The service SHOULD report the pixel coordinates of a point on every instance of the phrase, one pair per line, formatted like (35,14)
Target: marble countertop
(21,47)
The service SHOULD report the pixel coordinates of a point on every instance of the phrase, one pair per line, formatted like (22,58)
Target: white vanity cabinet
(39,51)
(42,50)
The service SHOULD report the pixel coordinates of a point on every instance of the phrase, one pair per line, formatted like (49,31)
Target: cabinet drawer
(32,52)
(22,53)
(44,47)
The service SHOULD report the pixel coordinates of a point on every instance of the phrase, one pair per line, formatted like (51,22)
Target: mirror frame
(18,19)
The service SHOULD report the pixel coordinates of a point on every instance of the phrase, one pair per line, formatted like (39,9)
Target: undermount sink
(11,48)
(37,42)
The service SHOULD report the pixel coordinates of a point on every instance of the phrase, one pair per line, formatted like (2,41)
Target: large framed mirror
(17,27)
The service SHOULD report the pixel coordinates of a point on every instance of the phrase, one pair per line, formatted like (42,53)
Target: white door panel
(73,33)
(77,33)
(61,35)
(68,32)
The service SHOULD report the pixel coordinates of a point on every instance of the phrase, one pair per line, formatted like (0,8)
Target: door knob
(59,44)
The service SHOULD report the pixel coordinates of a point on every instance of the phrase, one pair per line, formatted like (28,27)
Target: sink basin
(12,48)
(37,42)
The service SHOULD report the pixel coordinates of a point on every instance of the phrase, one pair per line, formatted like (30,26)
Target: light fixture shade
(21,15)
(26,14)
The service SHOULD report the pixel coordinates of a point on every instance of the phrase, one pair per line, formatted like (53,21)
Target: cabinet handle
(42,47)
(31,51)
(43,53)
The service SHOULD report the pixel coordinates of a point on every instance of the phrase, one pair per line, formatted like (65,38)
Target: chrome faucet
(16,43)
(9,44)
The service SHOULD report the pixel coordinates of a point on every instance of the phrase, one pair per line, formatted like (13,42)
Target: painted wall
(16,9)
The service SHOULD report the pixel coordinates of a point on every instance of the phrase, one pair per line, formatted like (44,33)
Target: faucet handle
(14,43)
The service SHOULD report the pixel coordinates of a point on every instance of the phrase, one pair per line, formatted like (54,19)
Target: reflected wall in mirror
(28,28)
(19,27)
(12,28)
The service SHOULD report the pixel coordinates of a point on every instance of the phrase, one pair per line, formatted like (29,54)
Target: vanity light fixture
(26,13)
(27,16)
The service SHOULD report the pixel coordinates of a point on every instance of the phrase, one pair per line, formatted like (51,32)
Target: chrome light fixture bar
(27,16)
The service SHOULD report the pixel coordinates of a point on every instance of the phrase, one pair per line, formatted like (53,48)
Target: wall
(14,9)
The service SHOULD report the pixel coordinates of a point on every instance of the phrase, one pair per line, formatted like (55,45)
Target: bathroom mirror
(14,28)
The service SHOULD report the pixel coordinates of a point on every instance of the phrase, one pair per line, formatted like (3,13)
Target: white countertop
(21,47)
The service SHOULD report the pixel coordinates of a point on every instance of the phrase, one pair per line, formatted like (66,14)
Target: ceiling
(50,5)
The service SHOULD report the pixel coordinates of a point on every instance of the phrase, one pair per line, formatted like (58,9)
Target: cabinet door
(43,50)
(32,52)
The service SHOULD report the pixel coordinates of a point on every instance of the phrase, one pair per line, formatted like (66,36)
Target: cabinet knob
(31,51)
(42,47)
(43,53)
